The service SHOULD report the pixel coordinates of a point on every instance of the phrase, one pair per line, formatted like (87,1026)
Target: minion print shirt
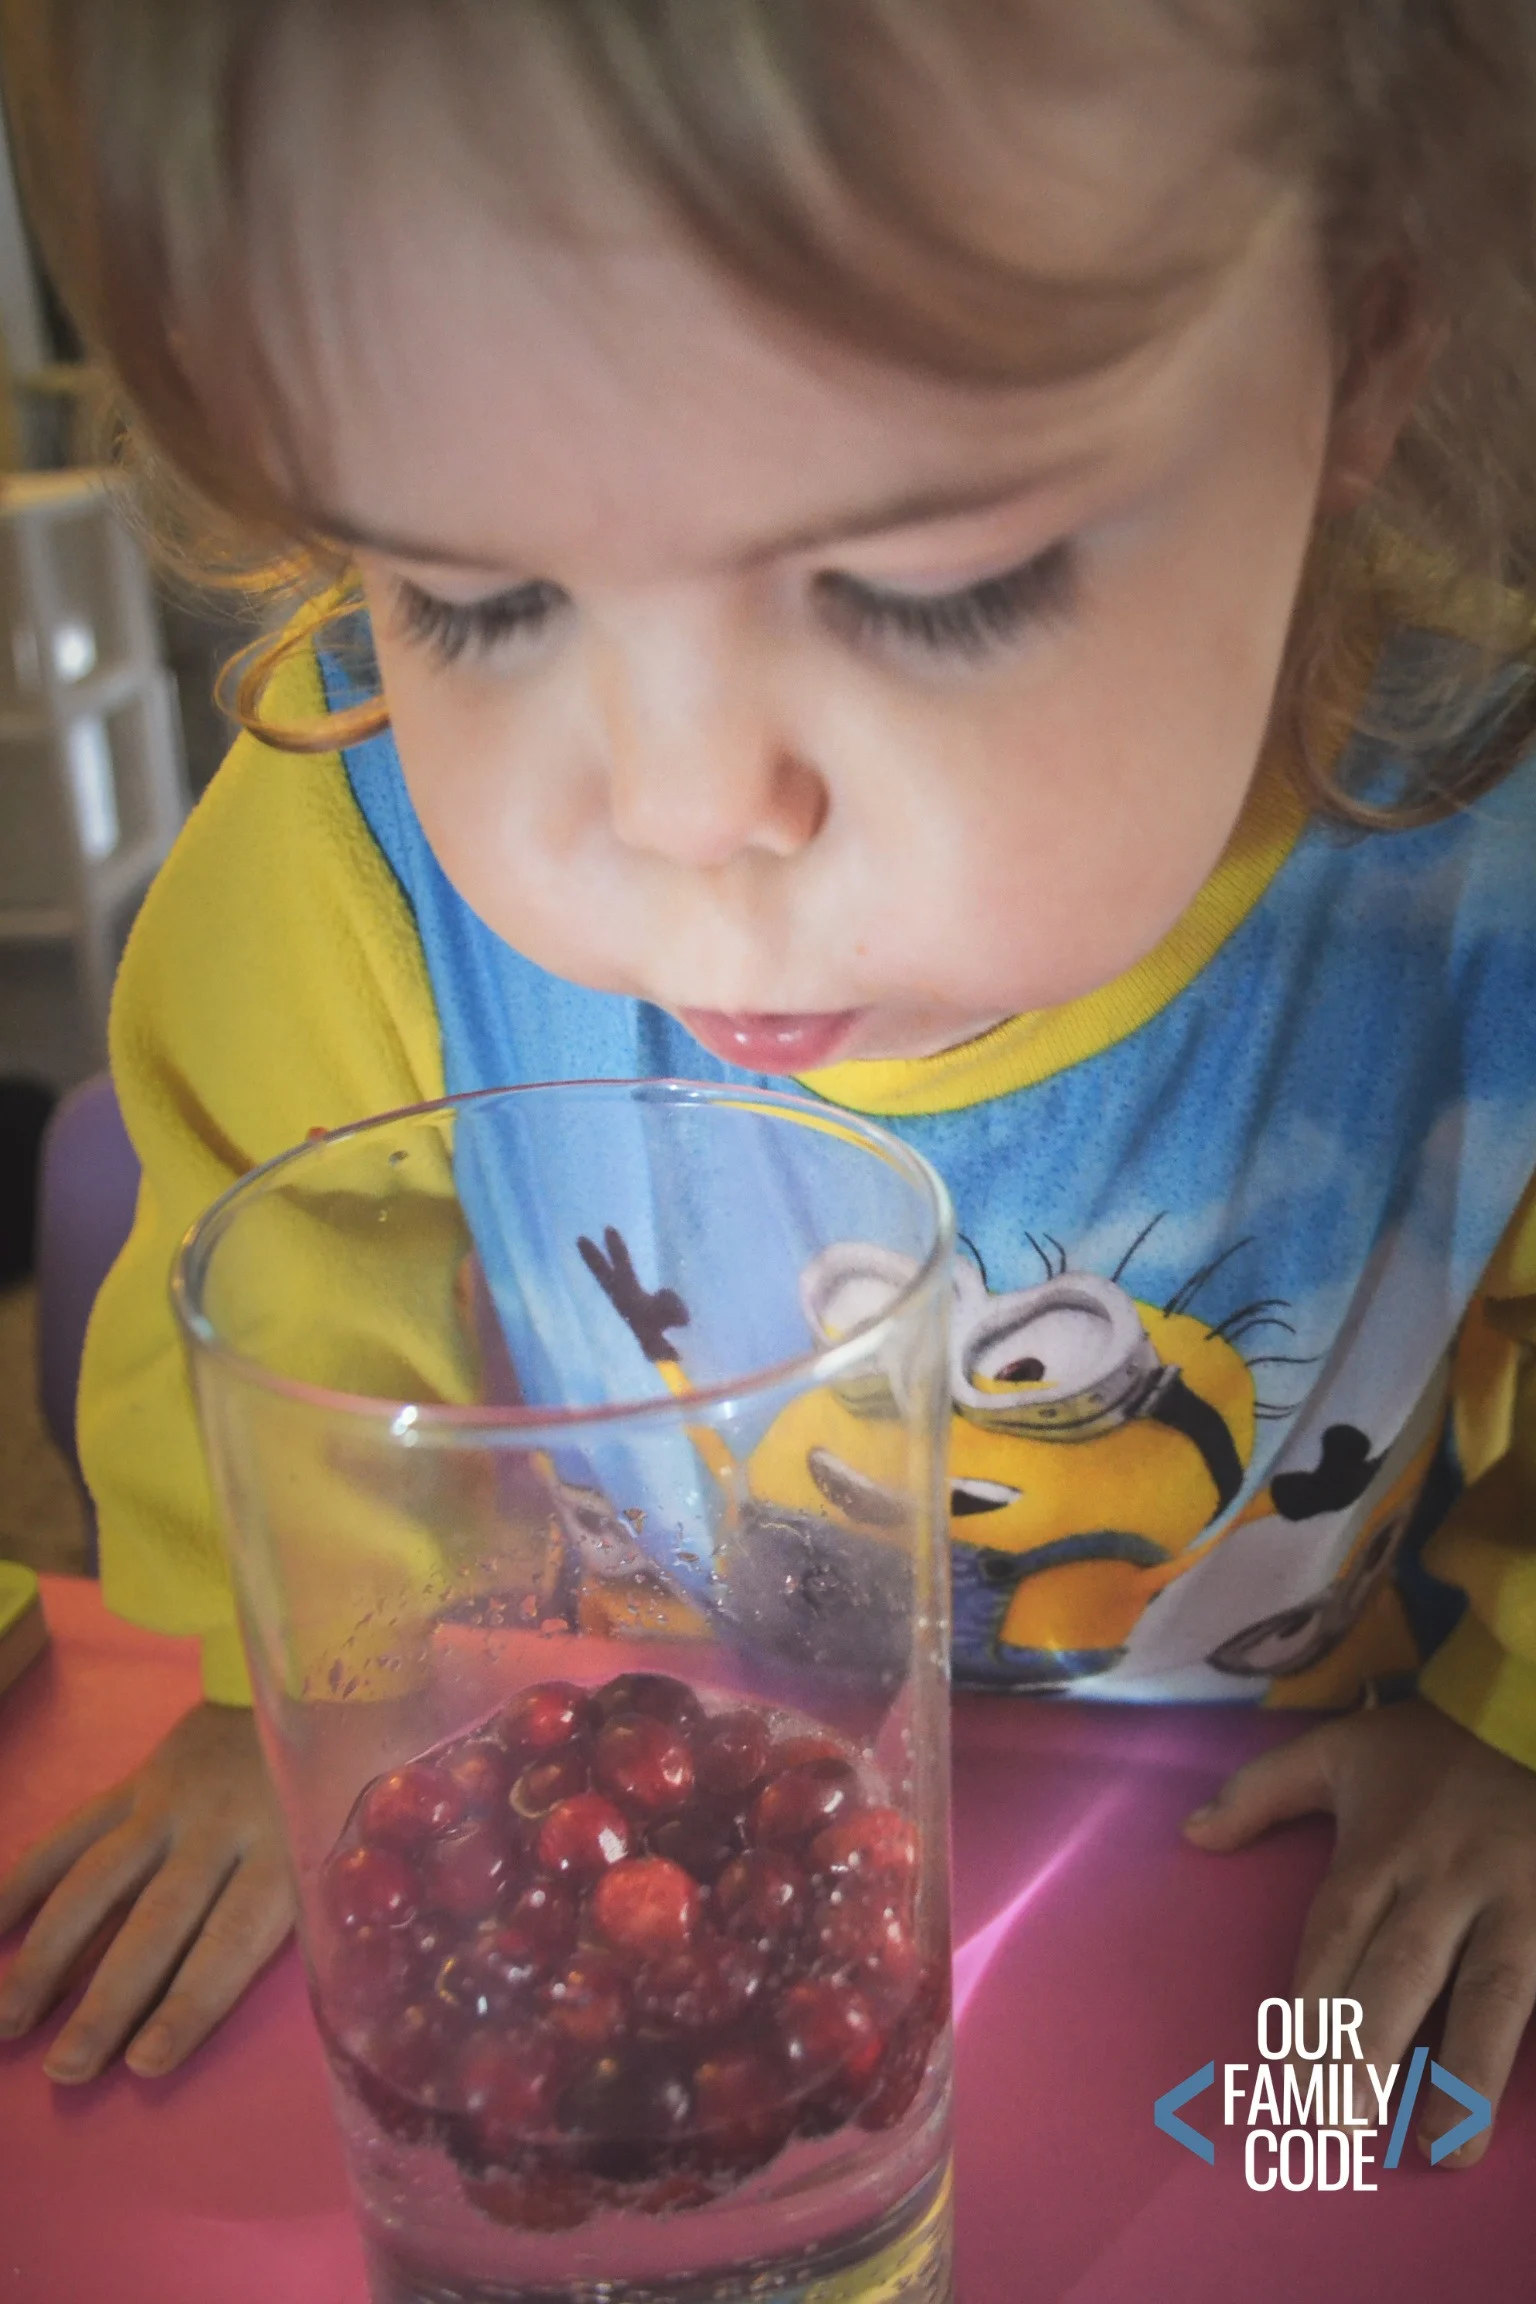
(1222,1226)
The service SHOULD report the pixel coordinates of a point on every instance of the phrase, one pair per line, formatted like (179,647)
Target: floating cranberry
(911,2045)
(507,2083)
(412,1805)
(762,1897)
(862,1931)
(368,1887)
(535,2200)
(801,1751)
(414,2050)
(581,1837)
(541,1922)
(703,1838)
(587,2001)
(432,1936)
(798,1804)
(545,1783)
(647,1907)
(465,1873)
(632,2109)
(544,1717)
(876,1842)
(828,2036)
(482,1770)
(654,1694)
(491,1976)
(371,1969)
(731,1753)
(703,1990)
(644,1762)
(741,2117)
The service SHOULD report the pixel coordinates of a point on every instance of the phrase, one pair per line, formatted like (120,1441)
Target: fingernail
(67,2063)
(1201,1815)
(150,2053)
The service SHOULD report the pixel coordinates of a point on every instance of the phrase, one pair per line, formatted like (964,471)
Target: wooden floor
(40,1516)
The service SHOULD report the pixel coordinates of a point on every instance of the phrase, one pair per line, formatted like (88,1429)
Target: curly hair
(772,132)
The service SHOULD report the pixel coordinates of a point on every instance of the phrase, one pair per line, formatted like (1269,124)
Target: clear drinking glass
(580,1451)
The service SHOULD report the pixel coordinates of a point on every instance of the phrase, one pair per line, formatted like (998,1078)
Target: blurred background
(108,731)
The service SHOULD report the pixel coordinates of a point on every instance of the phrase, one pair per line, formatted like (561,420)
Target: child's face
(737,701)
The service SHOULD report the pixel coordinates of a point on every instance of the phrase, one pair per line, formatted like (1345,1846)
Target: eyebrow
(917,508)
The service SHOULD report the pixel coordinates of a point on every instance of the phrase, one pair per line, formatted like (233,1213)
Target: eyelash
(970,623)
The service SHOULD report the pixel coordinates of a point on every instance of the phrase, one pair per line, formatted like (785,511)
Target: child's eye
(452,629)
(969,623)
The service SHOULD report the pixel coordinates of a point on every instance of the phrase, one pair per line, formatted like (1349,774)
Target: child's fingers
(1491,2003)
(1404,1965)
(1290,1780)
(110,1870)
(133,1972)
(248,1924)
(42,1868)
(1341,1921)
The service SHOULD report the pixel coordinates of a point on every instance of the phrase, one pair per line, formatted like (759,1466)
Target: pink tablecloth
(1099,1962)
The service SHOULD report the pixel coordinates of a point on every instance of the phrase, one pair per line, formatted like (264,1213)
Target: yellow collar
(1029,1048)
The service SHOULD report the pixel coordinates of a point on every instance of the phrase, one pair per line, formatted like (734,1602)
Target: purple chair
(87,1187)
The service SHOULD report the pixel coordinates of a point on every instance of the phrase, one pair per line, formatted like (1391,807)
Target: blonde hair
(770,130)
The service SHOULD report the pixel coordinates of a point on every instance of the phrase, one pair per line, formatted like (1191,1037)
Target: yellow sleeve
(1484,1673)
(273,983)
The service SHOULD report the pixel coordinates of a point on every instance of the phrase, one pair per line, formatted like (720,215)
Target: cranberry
(632,2108)
(432,1936)
(702,1838)
(370,1970)
(644,1762)
(762,1897)
(482,1771)
(412,1805)
(800,1751)
(877,1842)
(587,2001)
(796,1805)
(731,1753)
(581,1837)
(682,2189)
(654,1694)
(536,2199)
(862,1931)
(414,2050)
(647,1907)
(907,2054)
(545,1783)
(541,1922)
(491,1975)
(506,2082)
(368,1887)
(828,2036)
(466,1872)
(543,1718)
(740,2111)
(702,1990)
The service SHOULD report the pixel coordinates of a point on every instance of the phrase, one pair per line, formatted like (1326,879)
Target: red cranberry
(507,2083)
(877,1842)
(762,1897)
(412,1805)
(465,1873)
(801,1751)
(482,1770)
(490,1976)
(702,1990)
(644,1762)
(415,2050)
(631,2107)
(827,2034)
(369,1888)
(740,2111)
(370,1970)
(545,1783)
(654,1694)
(682,2189)
(905,2063)
(582,1836)
(535,2200)
(702,1838)
(587,2001)
(731,1753)
(798,1804)
(543,1718)
(647,1907)
(862,1931)
(432,1936)
(541,1922)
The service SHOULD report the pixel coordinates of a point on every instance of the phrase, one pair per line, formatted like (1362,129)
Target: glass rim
(464,1424)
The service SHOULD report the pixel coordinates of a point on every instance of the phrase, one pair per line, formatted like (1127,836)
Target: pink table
(1099,1962)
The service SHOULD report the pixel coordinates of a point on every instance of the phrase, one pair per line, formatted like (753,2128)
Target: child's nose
(701,771)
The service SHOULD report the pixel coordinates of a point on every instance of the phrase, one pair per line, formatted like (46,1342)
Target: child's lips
(795,1043)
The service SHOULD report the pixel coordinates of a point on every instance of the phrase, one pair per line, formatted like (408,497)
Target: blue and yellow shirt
(1248,1266)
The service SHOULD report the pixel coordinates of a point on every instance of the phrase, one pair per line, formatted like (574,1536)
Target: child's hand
(1434,1870)
(190,1848)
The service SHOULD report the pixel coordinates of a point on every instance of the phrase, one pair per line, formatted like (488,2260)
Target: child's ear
(1392,342)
